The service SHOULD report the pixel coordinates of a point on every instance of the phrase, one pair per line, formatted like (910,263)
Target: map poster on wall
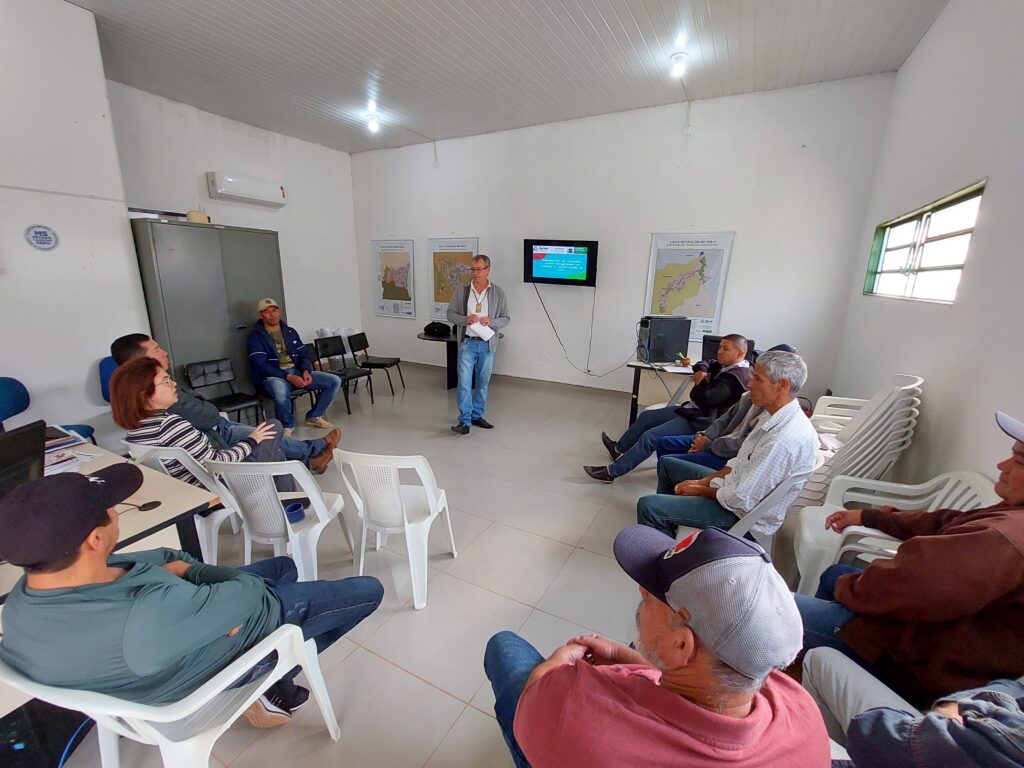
(687,278)
(450,261)
(394,294)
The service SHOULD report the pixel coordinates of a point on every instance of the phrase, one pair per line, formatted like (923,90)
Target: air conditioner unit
(244,189)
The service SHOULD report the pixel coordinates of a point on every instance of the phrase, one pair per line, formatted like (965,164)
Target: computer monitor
(21,455)
(709,348)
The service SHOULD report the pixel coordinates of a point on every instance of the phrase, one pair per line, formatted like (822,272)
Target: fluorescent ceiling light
(678,62)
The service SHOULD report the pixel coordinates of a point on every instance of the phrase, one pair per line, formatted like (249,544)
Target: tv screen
(560,262)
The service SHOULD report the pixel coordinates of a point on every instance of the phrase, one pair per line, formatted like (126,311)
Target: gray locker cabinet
(201,283)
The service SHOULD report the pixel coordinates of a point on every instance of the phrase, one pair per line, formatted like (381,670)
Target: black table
(451,356)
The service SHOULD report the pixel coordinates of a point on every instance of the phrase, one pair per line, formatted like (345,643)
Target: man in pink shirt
(715,624)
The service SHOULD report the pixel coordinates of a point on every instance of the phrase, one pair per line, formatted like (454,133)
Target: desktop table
(639,366)
(139,530)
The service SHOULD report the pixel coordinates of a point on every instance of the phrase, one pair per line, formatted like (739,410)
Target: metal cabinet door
(192,293)
(252,270)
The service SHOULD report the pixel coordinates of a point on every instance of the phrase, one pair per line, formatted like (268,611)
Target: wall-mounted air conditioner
(244,189)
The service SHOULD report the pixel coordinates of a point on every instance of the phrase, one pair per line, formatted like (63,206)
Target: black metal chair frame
(334,346)
(362,344)
(236,402)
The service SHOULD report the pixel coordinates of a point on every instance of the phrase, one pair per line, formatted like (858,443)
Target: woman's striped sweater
(170,431)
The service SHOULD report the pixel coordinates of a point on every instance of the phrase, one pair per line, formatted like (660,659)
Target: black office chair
(210,373)
(358,343)
(334,346)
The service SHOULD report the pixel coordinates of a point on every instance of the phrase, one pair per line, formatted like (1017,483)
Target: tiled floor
(534,540)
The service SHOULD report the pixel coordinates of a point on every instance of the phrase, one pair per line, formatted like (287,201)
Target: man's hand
(307,378)
(692,487)
(485,320)
(177,567)
(235,631)
(948,709)
(699,376)
(606,651)
(472,319)
(699,441)
(844,518)
(569,653)
(296,381)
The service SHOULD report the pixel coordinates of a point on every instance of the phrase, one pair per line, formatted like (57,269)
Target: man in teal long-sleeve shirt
(149,626)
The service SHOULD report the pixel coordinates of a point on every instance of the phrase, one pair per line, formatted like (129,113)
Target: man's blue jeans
(665,511)
(678,446)
(508,662)
(325,610)
(475,357)
(325,386)
(301,450)
(639,441)
(822,616)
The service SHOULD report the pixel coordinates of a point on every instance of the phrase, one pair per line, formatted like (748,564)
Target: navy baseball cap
(726,589)
(47,519)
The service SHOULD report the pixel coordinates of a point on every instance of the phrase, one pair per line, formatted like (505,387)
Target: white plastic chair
(262,509)
(386,506)
(834,415)
(816,548)
(780,497)
(186,730)
(208,527)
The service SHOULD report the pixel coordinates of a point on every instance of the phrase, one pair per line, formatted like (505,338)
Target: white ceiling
(442,69)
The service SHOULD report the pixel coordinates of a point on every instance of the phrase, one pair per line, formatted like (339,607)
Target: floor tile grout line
(446,734)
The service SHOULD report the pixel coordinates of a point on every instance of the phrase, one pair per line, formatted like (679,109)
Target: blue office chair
(14,399)
(107,368)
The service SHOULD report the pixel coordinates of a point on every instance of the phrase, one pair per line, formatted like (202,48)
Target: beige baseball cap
(264,303)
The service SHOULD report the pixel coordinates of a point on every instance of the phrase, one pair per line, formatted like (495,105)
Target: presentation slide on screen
(562,262)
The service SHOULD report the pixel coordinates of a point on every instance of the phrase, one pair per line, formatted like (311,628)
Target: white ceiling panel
(442,69)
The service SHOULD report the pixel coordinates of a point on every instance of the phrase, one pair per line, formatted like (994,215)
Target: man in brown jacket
(947,613)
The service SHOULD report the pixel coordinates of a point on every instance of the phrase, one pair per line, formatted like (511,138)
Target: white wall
(956,117)
(789,171)
(59,167)
(166,148)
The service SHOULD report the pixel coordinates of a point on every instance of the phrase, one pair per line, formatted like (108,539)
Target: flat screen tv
(560,262)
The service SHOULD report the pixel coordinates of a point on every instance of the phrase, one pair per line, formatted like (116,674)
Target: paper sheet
(483,331)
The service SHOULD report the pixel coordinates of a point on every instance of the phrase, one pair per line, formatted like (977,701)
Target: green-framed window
(921,254)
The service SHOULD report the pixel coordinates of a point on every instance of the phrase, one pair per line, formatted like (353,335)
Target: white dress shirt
(780,444)
(471,302)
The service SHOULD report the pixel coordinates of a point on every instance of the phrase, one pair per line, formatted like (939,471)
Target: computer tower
(661,339)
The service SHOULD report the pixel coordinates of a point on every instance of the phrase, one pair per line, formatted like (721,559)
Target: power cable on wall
(590,344)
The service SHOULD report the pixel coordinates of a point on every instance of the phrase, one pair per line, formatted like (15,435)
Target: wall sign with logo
(41,237)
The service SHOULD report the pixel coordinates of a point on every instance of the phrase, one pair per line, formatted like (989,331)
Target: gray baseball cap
(727,590)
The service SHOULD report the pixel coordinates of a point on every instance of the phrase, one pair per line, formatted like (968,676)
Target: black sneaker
(461,429)
(611,446)
(482,423)
(267,712)
(294,699)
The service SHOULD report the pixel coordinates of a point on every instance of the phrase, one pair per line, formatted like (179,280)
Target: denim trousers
(475,361)
(822,616)
(325,610)
(508,662)
(325,386)
(639,441)
(678,446)
(665,511)
(302,450)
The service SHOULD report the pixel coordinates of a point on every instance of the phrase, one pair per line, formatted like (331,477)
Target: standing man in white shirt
(782,443)
(480,310)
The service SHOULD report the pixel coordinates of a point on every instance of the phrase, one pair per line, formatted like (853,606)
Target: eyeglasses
(165,380)
(478,269)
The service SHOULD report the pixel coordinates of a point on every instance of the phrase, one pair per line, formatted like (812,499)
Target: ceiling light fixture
(678,62)
(372,123)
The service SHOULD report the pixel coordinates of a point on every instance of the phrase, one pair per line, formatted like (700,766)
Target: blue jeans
(475,357)
(508,662)
(678,447)
(822,616)
(301,450)
(639,441)
(325,386)
(665,511)
(325,610)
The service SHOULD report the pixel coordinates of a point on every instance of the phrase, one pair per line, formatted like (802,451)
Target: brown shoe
(611,446)
(332,438)
(322,460)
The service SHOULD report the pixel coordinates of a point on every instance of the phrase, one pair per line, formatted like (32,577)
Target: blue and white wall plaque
(41,237)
